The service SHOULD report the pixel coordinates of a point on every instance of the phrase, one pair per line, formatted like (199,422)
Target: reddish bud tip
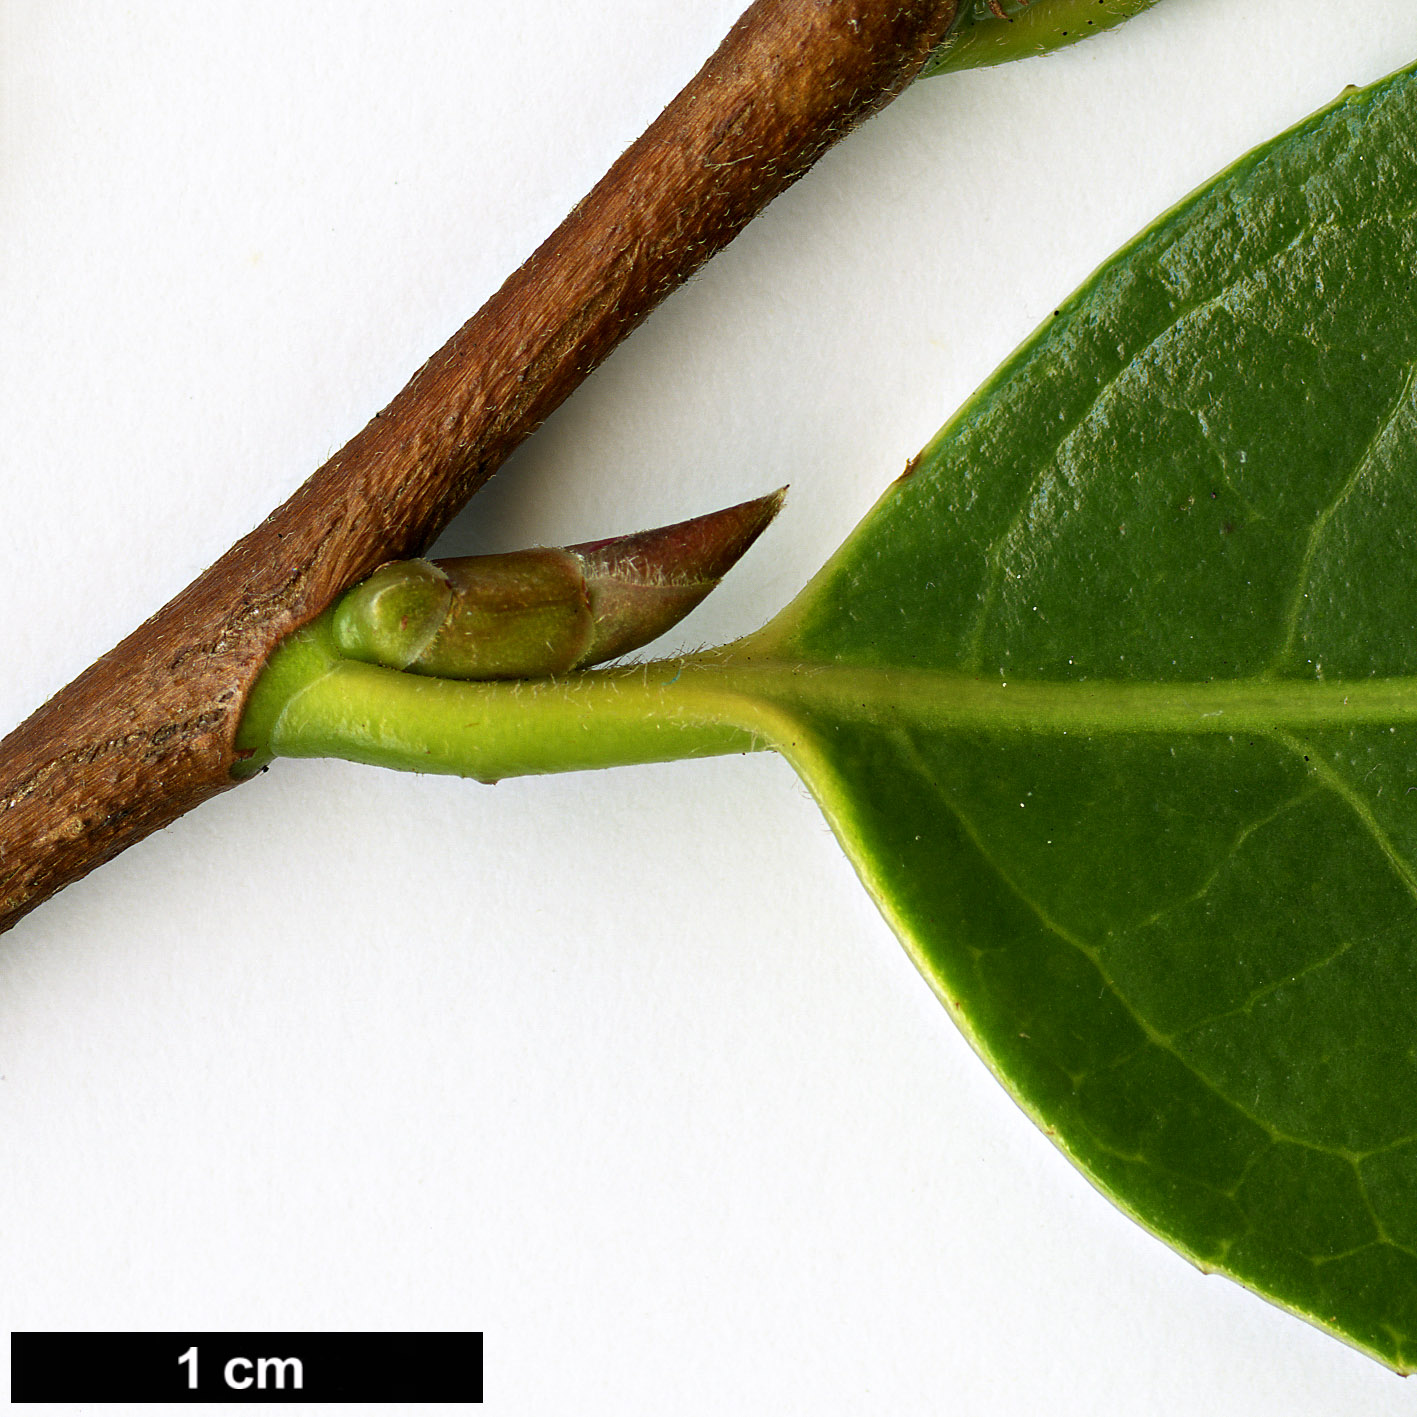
(643,584)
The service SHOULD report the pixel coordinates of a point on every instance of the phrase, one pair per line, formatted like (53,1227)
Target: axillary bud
(521,615)
(529,614)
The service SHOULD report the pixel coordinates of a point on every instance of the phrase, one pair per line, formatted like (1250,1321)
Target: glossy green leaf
(1112,700)
(987,34)
(1144,804)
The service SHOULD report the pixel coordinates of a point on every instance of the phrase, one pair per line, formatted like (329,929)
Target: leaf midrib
(950,700)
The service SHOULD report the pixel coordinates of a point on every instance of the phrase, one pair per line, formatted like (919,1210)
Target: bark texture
(148,731)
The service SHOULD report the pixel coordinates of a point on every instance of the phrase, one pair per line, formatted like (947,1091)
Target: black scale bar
(246,1367)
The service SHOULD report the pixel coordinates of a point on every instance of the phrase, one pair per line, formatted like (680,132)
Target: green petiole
(313,703)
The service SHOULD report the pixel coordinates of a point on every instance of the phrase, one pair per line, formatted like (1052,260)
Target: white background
(621,1068)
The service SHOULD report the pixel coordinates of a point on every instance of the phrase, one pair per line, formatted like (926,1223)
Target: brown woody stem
(148,731)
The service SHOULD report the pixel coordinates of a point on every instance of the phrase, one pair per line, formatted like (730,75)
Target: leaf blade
(1189,954)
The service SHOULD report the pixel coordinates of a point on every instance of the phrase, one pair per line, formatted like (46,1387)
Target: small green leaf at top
(989,32)
(1112,699)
